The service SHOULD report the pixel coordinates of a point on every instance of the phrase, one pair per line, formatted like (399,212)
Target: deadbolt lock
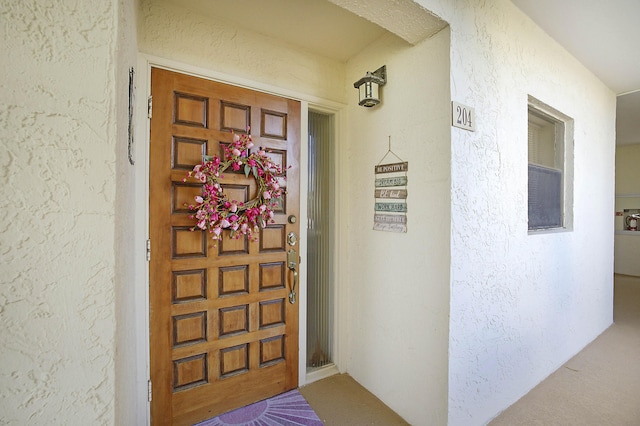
(292,238)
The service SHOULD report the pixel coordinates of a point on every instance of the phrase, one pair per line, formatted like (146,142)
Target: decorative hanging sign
(390,195)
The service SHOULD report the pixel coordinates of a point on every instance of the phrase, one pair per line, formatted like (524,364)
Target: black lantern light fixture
(369,87)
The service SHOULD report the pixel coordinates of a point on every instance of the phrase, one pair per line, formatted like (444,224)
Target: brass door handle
(292,295)
(292,264)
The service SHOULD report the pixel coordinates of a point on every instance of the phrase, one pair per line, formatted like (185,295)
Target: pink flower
(225,223)
(250,145)
(199,199)
(236,152)
(267,195)
(217,230)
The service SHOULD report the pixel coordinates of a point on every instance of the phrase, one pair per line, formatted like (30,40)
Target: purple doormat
(287,409)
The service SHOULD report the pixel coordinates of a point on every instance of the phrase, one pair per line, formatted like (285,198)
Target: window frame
(564,150)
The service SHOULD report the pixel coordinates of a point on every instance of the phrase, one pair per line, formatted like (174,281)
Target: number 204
(464,116)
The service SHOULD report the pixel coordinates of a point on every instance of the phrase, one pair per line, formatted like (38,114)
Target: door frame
(141,215)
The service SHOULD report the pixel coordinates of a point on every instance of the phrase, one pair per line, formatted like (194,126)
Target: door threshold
(321,373)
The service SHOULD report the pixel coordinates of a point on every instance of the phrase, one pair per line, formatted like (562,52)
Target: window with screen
(550,142)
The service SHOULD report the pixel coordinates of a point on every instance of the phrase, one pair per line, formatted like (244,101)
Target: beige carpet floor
(600,386)
(341,401)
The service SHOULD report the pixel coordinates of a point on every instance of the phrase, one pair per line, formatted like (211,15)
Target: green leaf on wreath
(247,169)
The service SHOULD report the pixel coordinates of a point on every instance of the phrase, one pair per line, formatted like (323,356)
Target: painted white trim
(302,250)
(141,192)
(341,295)
(340,339)
(322,373)
(143,91)
(628,93)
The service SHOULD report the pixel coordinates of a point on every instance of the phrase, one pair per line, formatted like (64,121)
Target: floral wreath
(213,209)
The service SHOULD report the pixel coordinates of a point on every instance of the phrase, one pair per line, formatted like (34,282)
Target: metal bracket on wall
(132,74)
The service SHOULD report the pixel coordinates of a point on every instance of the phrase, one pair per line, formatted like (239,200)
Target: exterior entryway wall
(416,116)
(399,282)
(520,305)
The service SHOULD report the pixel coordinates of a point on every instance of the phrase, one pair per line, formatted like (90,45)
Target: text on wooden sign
(392,168)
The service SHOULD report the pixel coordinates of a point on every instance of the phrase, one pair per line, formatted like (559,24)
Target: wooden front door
(223,332)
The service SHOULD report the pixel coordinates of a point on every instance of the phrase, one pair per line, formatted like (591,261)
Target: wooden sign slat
(390,227)
(392,168)
(391,207)
(389,218)
(392,181)
(391,193)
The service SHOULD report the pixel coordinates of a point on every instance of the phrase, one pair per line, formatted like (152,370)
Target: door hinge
(150,394)
(148,250)
(149,106)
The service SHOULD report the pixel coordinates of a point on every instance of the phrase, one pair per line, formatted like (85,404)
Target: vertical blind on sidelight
(320,210)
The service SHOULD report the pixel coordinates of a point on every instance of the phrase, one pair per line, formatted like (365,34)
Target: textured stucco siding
(399,282)
(521,304)
(467,309)
(57,197)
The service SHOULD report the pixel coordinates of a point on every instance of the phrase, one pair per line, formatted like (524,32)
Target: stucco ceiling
(317,26)
(605,37)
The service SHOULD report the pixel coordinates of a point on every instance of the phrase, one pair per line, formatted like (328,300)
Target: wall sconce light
(369,87)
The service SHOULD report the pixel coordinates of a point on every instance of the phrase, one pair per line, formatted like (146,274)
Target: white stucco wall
(57,202)
(177,33)
(627,244)
(521,304)
(399,282)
